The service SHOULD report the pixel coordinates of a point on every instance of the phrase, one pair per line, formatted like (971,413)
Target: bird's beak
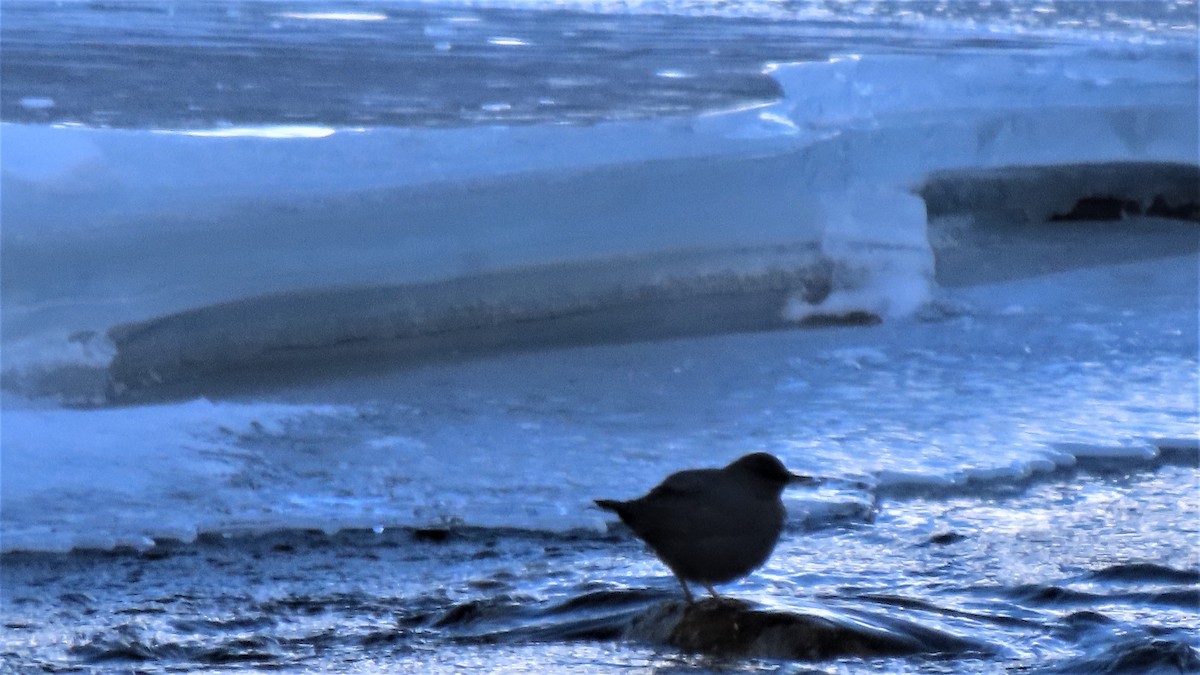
(800,479)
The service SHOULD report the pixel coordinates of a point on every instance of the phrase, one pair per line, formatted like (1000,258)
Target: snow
(1090,451)
(106,478)
(36,102)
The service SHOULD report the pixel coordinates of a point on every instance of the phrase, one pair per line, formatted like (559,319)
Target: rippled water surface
(1073,575)
(151,63)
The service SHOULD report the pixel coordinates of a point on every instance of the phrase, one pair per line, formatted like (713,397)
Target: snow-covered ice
(250,261)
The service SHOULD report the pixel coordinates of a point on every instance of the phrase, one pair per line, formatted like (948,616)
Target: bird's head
(766,467)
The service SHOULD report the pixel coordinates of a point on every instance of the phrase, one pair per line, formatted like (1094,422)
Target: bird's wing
(682,484)
(683,504)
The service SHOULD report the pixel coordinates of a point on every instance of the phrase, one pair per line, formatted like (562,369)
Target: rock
(734,628)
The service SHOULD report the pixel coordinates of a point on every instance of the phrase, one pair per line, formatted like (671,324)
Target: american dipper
(712,525)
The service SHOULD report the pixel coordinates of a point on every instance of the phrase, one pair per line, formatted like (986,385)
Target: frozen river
(324,324)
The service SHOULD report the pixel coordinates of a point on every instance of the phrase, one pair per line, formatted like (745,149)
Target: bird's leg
(712,591)
(687,592)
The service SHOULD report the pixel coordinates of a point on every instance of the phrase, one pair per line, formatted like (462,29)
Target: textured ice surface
(831,168)
(1100,365)
(75,478)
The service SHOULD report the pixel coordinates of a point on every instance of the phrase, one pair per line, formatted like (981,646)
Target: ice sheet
(143,216)
(987,402)
(179,254)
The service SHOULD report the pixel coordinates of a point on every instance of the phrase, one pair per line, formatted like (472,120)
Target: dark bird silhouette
(711,526)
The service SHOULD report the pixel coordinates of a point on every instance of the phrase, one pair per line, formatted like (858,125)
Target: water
(169,65)
(324,324)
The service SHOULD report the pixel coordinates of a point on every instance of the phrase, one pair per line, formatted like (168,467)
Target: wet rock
(475,611)
(737,629)
(1086,619)
(82,599)
(605,599)
(1051,594)
(943,538)
(1139,655)
(463,613)
(156,553)
(436,535)
(835,320)
(1146,572)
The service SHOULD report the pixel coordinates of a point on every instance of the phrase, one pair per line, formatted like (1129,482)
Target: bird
(712,526)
